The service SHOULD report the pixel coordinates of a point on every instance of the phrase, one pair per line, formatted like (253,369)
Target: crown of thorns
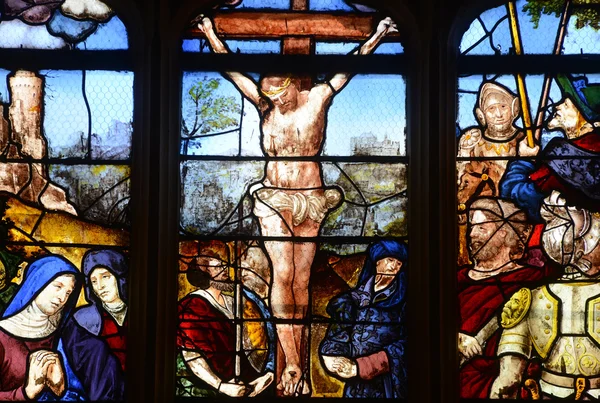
(273,91)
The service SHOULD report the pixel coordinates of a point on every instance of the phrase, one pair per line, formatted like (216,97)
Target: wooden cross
(298,29)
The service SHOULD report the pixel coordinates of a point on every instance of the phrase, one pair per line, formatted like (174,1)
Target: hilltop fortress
(23,147)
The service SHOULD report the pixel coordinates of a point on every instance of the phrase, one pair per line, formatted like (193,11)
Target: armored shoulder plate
(593,318)
(469,139)
(543,320)
(516,308)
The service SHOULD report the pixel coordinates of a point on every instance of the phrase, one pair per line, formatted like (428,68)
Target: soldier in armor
(497,136)
(498,235)
(559,322)
(497,110)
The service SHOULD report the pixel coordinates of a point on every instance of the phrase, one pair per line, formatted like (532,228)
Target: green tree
(585,12)
(206,112)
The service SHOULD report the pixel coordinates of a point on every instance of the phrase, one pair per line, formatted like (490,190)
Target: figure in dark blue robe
(369,328)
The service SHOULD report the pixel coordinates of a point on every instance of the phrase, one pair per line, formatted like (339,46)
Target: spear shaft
(238,324)
(518,47)
(560,38)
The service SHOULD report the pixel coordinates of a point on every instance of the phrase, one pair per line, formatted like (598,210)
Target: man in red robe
(207,332)
(497,234)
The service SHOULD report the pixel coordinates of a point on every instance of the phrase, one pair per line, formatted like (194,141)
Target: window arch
(525,142)
(234,157)
(67,134)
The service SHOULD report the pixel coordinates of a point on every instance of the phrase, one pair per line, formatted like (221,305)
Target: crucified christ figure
(291,200)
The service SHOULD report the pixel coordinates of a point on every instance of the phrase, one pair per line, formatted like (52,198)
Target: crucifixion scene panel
(293,236)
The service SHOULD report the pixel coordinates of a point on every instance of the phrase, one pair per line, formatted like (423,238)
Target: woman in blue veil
(37,329)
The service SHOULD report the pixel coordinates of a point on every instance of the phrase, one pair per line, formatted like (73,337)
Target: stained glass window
(66,127)
(294,197)
(528,167)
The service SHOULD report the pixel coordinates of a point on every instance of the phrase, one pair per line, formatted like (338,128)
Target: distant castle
(25,113)
(22,142)
(367,144)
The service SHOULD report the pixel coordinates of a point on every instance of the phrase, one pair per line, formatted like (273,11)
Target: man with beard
(558,322)
(207,332)
(497,136)
(498,232)
(569,165)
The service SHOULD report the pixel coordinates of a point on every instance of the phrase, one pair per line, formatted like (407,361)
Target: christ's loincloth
(313,203)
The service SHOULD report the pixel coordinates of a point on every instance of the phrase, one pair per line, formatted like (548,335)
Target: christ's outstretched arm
(244,83)
(385,27)
(324,92)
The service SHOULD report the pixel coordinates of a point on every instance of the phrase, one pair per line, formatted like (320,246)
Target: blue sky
(17,34)
(535,40)
(4,85)
(110,95)
(244,46)
(270,4)
(343,48)
(368,104)
(274,46)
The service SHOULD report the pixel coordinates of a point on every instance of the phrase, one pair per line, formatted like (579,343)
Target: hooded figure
(368,330)
(39,318)
(106,289)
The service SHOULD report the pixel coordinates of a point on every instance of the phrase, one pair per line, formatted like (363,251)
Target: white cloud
(86,9)
(17,34)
